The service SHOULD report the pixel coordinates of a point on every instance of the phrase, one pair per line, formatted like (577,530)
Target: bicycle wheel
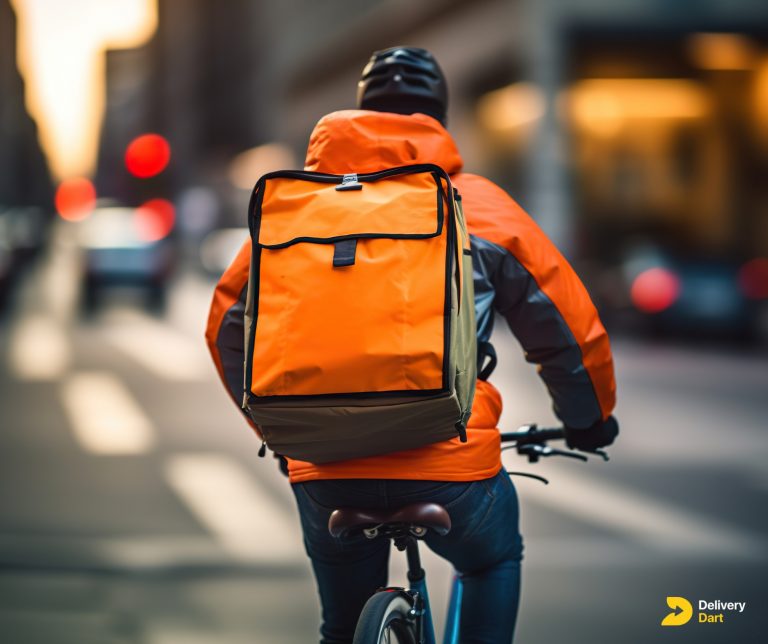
(384,620)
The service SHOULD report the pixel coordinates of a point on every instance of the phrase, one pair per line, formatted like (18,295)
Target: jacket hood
(364,141)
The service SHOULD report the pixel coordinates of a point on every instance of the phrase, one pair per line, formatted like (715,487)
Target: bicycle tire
(384,620)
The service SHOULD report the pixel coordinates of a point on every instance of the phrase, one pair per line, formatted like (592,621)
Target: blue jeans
(484,546)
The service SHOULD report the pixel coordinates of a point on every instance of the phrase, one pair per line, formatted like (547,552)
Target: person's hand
(601,434)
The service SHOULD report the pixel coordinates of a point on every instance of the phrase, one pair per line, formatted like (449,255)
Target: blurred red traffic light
(75,198)
(155,219)
(655,290)
(147,155)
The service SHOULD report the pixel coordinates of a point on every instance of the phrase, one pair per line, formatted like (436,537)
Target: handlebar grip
(532,436)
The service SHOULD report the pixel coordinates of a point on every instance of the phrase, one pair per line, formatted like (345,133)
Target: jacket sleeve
(545,304)
(225,333)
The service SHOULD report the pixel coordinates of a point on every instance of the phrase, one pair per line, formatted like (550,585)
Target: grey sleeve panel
(486,259)
(547,341)
(231,345)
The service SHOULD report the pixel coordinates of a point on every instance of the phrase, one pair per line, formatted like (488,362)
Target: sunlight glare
(60,54)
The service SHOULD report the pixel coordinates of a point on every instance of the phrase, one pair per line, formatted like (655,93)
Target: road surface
(134,508)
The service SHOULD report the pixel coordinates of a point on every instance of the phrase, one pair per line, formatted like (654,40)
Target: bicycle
(402,615)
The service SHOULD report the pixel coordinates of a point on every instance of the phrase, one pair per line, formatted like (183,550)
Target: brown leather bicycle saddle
(427,515)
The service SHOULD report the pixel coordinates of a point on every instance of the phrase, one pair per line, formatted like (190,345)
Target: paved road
(134,508)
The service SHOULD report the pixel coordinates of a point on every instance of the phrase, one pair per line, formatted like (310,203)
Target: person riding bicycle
(518,273)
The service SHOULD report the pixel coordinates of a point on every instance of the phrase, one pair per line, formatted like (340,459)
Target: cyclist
(402,100)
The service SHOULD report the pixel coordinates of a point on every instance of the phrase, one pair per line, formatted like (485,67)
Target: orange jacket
(517,273)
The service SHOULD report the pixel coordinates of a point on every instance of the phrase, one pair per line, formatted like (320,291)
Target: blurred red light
(147,155)
(655,290)
(753,279)
(155,219)
(75,199)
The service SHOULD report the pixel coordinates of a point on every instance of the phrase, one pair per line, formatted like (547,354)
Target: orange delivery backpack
(360,334)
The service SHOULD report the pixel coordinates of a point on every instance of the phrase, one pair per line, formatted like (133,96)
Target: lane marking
(656,524)
(225,498)
(160,349)
(104,416)
(162,633)
(604,551)
(39,349)
(137,553)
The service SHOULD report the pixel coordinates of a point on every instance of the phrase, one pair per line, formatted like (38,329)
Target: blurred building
(193,83)
(609,120)
(24,176)
(129,113)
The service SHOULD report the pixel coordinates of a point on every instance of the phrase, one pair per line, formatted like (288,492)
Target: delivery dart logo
(682,611)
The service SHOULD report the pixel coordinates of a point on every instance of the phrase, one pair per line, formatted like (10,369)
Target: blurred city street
(134,507)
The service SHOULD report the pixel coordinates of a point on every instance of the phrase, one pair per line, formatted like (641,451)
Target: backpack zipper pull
(263,449)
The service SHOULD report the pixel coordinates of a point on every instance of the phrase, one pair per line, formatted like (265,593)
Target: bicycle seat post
(411,547)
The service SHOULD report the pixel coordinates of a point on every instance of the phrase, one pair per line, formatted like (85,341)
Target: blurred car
(692,295)
(23,234)
(124,246)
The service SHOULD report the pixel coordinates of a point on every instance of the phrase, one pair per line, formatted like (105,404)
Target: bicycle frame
(451,635)
(417,586)
(420,587)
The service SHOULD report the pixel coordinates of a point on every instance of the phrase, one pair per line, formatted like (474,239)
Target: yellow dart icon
(676,618)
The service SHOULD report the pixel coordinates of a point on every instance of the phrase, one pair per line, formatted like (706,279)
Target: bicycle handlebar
(532,434)
(530,441)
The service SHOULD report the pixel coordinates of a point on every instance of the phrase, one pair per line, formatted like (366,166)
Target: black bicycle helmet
(403,80)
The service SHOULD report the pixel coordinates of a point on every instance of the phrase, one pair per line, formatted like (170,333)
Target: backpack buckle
(349,182)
